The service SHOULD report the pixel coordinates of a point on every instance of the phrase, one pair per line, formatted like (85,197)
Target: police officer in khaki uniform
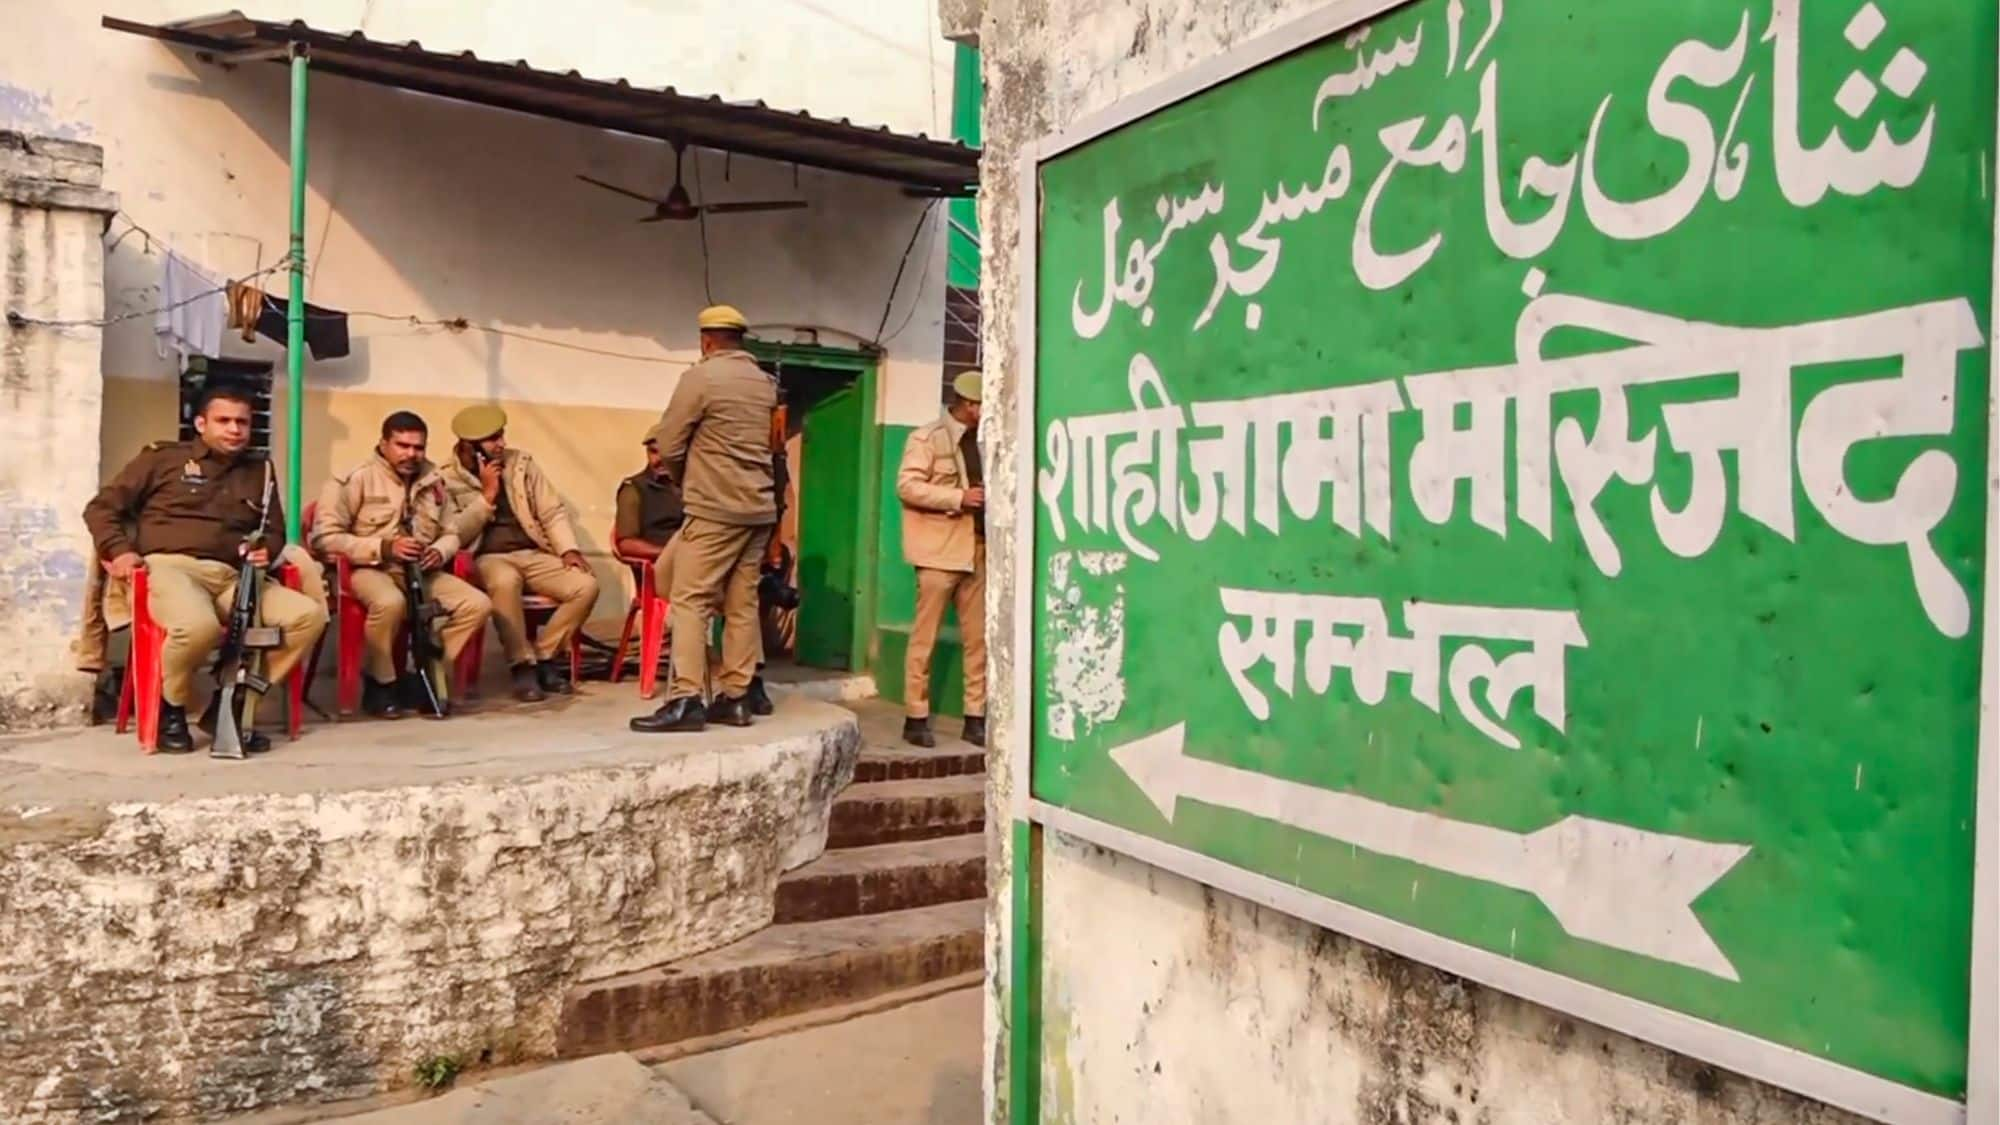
(185,511)
(391,510)
(649,509)
(648,526)
(527,542)
(715,440)
(941,483)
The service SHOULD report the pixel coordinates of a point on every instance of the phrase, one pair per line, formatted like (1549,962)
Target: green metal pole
(1024,979)
(295,326)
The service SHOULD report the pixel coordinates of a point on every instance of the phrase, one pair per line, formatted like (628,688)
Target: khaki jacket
(536,503)
(363,510)
(716,440)
(937,533)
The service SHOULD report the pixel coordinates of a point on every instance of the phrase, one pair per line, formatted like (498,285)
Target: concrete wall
(1167,1002)
(52,213)
(580,319)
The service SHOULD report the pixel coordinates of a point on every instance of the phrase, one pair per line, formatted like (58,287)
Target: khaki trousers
(663,585)
(466,611)
(715,566)
(107,607)
(506,575)
(190,598)
(935,590)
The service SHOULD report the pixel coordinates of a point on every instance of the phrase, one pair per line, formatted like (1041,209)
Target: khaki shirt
(938,534)
(183,498)
(362,511)
(531,494)
(716,439)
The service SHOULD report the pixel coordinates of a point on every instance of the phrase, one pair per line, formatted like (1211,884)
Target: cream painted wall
(419,206)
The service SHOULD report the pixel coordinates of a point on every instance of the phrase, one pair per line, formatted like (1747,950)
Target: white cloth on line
(194,310)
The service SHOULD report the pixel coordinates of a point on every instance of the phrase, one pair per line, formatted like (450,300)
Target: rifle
(426,651)
(780,435)
(239,663)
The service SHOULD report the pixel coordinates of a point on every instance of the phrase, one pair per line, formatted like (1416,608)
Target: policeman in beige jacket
(942,486)
(527,542)
(715,440)
(390,510)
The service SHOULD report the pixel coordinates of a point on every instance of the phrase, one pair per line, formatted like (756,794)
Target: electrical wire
(701,221)
(460,324)
(15,317)
(901,264)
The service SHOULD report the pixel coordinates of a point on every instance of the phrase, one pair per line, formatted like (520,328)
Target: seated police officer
(391,510)
(186,512)
(527,544)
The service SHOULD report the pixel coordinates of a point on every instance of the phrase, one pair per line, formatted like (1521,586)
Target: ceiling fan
(678,206)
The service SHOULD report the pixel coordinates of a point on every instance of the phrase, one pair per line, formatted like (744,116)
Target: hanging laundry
(193,310)
(326,329)
(246,306)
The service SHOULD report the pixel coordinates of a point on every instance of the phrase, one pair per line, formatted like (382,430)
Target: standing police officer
(942,485)
(715,442)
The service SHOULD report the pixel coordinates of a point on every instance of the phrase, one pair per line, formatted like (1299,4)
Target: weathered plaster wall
(1164,1001)
(1206,1008)
(52,212)
(182,960)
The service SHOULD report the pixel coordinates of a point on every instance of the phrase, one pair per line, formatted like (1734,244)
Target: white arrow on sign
(1607,883)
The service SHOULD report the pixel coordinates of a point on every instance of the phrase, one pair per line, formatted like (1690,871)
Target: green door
(830,528)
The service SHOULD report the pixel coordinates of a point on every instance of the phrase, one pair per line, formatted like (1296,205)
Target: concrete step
(886,812)
(776,972)
(874,880)
(907,763)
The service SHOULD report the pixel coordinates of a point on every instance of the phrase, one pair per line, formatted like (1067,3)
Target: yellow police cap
(478,422)
(722,317)
(968,385)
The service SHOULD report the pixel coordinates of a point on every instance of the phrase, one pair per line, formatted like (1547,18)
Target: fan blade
(766,205)
(627,192)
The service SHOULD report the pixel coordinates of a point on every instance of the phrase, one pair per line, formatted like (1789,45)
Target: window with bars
(253,376)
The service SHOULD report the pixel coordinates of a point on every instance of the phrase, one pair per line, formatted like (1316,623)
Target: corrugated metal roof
(752,128)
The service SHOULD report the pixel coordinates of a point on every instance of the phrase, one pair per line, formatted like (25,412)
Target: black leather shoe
(917,732)
(174,735)
(104,696)
(379,700)
(759,700)
(527,687)
(729,712)
(253,742)
(554,678)
(975,730)
(674,716)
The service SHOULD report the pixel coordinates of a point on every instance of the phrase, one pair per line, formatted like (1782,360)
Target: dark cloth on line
(326,329)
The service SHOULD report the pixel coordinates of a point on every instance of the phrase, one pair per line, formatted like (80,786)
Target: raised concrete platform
(184,938)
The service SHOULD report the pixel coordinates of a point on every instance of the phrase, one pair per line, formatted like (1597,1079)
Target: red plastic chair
(649,608)
(350,618)
(141,690)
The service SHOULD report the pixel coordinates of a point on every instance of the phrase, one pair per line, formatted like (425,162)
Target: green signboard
(1512,483)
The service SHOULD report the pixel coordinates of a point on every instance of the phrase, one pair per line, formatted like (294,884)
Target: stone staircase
(897,904)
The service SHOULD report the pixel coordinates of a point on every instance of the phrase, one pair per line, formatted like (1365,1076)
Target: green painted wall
(968,92)
(896,602)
